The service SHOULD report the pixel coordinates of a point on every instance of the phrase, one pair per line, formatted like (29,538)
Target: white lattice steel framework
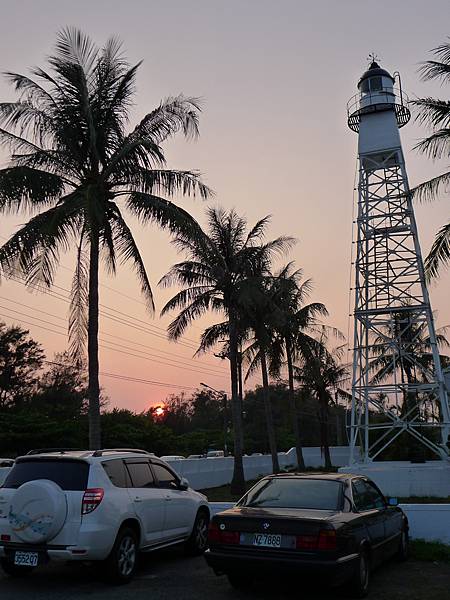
(394,390)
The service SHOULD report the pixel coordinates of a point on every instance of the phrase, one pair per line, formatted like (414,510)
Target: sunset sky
(274,78)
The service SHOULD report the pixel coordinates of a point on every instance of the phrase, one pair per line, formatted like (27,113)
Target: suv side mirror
(184,484)
(392,501)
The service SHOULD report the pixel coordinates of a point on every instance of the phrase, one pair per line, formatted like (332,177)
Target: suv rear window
(70,475)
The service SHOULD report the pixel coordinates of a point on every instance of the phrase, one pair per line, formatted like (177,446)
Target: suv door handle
(168,498)
(137,499)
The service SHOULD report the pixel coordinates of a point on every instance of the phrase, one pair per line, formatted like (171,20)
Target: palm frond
(213,335)
(168,182)
(257,232)
(439,255)
(28,188)
(34,249)
(433,69)
(429,190)
(185,297)
(432,111)
(78,315)
(128,251)
(149,208)
(174,114)
(436,145)
(193,311)
(73,46)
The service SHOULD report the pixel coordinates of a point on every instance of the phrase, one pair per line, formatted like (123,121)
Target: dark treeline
(44,404)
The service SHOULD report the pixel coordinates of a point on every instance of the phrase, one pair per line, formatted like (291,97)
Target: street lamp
(225,420)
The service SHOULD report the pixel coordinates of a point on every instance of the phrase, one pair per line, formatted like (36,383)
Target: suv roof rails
(51,450)
(131,450)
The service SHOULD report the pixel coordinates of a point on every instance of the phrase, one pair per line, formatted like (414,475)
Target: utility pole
(224,399)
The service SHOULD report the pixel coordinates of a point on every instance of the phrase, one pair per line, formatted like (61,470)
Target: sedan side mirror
(184,484)
(393,501)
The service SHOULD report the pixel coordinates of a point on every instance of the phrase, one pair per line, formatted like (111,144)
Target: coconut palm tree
(296,326)
(435,113)
(261,316)
(75,167)
(219,275)
(411,359)
(320,372)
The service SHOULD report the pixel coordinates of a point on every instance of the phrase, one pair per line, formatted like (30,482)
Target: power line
(128,353)
(134,379)
(114,318)
(160,330)
(146,381)
(182,359)
(140,324)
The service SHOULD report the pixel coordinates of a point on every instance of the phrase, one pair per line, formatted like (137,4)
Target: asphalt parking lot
(169,575)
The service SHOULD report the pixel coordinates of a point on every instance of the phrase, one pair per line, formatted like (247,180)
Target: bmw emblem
(266,525)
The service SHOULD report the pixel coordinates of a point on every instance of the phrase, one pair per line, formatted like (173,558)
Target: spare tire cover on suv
(38,511)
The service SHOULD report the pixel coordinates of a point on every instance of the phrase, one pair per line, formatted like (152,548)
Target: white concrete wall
(429,522)
(204,473)
(404,479)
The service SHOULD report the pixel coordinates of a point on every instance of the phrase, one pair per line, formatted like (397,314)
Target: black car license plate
(268,540)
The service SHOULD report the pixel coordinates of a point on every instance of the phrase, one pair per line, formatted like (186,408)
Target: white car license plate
(268,540)
(28,559)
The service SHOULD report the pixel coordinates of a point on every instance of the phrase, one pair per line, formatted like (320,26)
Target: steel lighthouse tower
(397,386)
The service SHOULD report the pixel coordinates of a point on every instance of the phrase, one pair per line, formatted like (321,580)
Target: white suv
(102,505)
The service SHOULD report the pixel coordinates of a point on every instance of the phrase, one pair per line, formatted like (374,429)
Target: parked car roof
(316,475)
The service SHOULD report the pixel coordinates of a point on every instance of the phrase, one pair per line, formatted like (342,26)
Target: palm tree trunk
(293,405)
(241,395)
(269,415)
(238,480)
(93,363)
(323,409)
(415,452)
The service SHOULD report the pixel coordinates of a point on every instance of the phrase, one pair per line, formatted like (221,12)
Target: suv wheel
(198,541)
(359,583)
(14,570)
(121,563)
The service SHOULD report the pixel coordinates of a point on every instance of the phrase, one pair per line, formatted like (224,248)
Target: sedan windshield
(317,494)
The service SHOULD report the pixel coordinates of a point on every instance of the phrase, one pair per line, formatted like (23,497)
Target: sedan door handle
(168,498)
(137,499)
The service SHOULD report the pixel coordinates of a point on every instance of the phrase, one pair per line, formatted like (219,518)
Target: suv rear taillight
(91,499)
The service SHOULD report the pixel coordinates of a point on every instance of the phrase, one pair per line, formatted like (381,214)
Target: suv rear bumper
(58,553)
(87,546)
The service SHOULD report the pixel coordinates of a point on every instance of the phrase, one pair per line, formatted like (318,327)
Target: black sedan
(333,527)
